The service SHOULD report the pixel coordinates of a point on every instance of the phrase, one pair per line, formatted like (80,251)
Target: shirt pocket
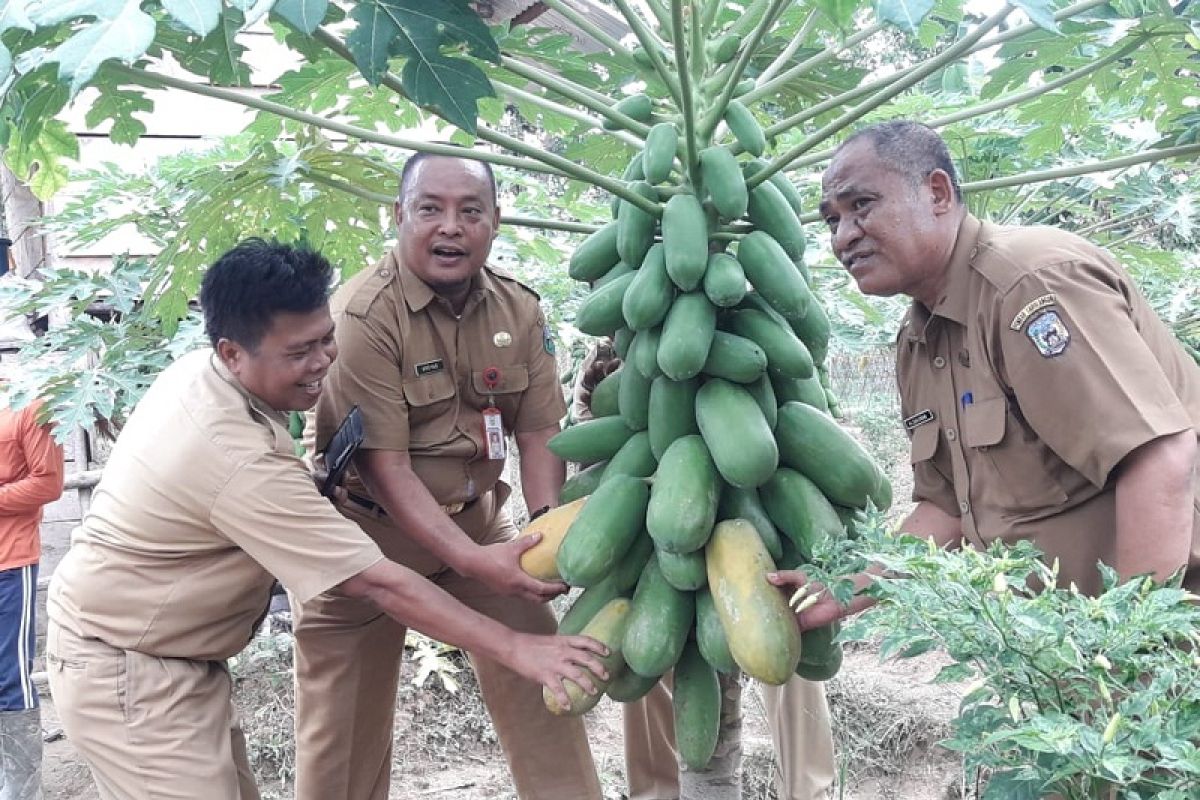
(504,389)
(1010,467)
(12,456)
(430,402)
(924,443)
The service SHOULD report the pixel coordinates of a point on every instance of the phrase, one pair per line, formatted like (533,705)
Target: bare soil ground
(887,720)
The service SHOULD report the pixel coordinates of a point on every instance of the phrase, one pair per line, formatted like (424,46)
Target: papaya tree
(695,138)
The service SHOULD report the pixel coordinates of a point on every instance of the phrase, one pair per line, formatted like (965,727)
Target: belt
(370,505)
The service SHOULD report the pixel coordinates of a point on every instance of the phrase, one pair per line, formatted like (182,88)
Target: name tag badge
(430,367)
(918,419)
(493,434)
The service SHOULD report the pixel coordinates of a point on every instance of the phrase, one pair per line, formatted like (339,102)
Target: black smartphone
(341,449)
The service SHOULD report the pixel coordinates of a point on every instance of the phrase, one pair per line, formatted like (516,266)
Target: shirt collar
(955,300)
(418,294)
(252,400)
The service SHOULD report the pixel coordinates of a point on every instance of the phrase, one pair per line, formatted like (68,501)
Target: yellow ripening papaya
(538,561)
(607,627)
(761,630)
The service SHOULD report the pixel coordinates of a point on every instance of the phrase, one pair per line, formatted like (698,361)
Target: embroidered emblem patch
(430,367)
(548,339)
(1049,334)
(918,419)
(1030,308)
(502,339)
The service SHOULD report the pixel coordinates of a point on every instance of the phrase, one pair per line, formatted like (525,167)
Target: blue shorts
(18,637)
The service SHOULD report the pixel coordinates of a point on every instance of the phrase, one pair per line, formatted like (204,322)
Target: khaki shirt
(202,501)
(417,373)
(1036,373)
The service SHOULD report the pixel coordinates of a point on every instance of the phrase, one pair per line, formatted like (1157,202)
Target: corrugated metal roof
(532,12)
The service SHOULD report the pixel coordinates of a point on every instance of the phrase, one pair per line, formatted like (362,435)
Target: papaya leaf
(416,29)
(119,104)
(218,55)
(13,14)
(451,85)
(370,40)
(840,12)
(253,10)
(304,15)
(121,31)
(1040,13)
(52,12)
(904,14)
(316,86)
(42,161)
(198,16)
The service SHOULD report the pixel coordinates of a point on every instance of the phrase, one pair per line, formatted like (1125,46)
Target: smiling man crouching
(203,500)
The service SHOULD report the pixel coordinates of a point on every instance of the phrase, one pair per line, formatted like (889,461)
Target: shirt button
(964,507)
(939,362)
(383,273)
(951,434)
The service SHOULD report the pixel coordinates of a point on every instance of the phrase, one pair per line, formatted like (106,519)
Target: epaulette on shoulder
(364,289)
(509,278)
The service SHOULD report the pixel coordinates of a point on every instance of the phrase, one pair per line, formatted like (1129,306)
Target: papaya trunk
(721,779)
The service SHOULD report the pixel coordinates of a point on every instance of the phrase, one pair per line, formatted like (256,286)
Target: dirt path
(887,720)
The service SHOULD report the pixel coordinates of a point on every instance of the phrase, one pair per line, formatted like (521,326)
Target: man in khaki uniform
(797,713)
(435,346)
(1044,398)
(202,501)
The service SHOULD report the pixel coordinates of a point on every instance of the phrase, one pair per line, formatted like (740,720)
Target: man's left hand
(499,567)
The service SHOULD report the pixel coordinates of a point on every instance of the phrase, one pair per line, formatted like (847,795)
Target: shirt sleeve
(1084,378)
(42,482)
(271,510)
(543,404)
(366,374)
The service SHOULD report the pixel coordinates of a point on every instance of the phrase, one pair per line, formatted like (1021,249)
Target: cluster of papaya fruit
(714,455)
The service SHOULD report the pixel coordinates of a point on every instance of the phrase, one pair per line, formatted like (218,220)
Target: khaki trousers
(149,728)
(348,657)
(797,716)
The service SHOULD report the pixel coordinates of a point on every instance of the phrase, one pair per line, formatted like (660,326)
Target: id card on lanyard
(493,424)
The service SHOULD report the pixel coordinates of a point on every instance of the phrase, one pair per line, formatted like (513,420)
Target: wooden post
(22,219)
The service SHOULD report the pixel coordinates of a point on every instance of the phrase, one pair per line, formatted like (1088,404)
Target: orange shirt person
(31,475)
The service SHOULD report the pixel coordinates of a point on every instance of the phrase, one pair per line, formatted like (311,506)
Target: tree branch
(770,84)
(1145,157)
(156,80)
(589,27)
(505,219)
(862,109)
(859,91)
(645,38)
(687,107)
(786,54)
(559,165)
(748,47)
(572,91)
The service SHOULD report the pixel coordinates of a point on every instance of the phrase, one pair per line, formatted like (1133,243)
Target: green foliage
(91,370)
(416,29)
(117,29)
(1070,694)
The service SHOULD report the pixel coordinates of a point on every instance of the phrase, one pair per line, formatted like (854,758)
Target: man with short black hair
(202,501)
(1044,398)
